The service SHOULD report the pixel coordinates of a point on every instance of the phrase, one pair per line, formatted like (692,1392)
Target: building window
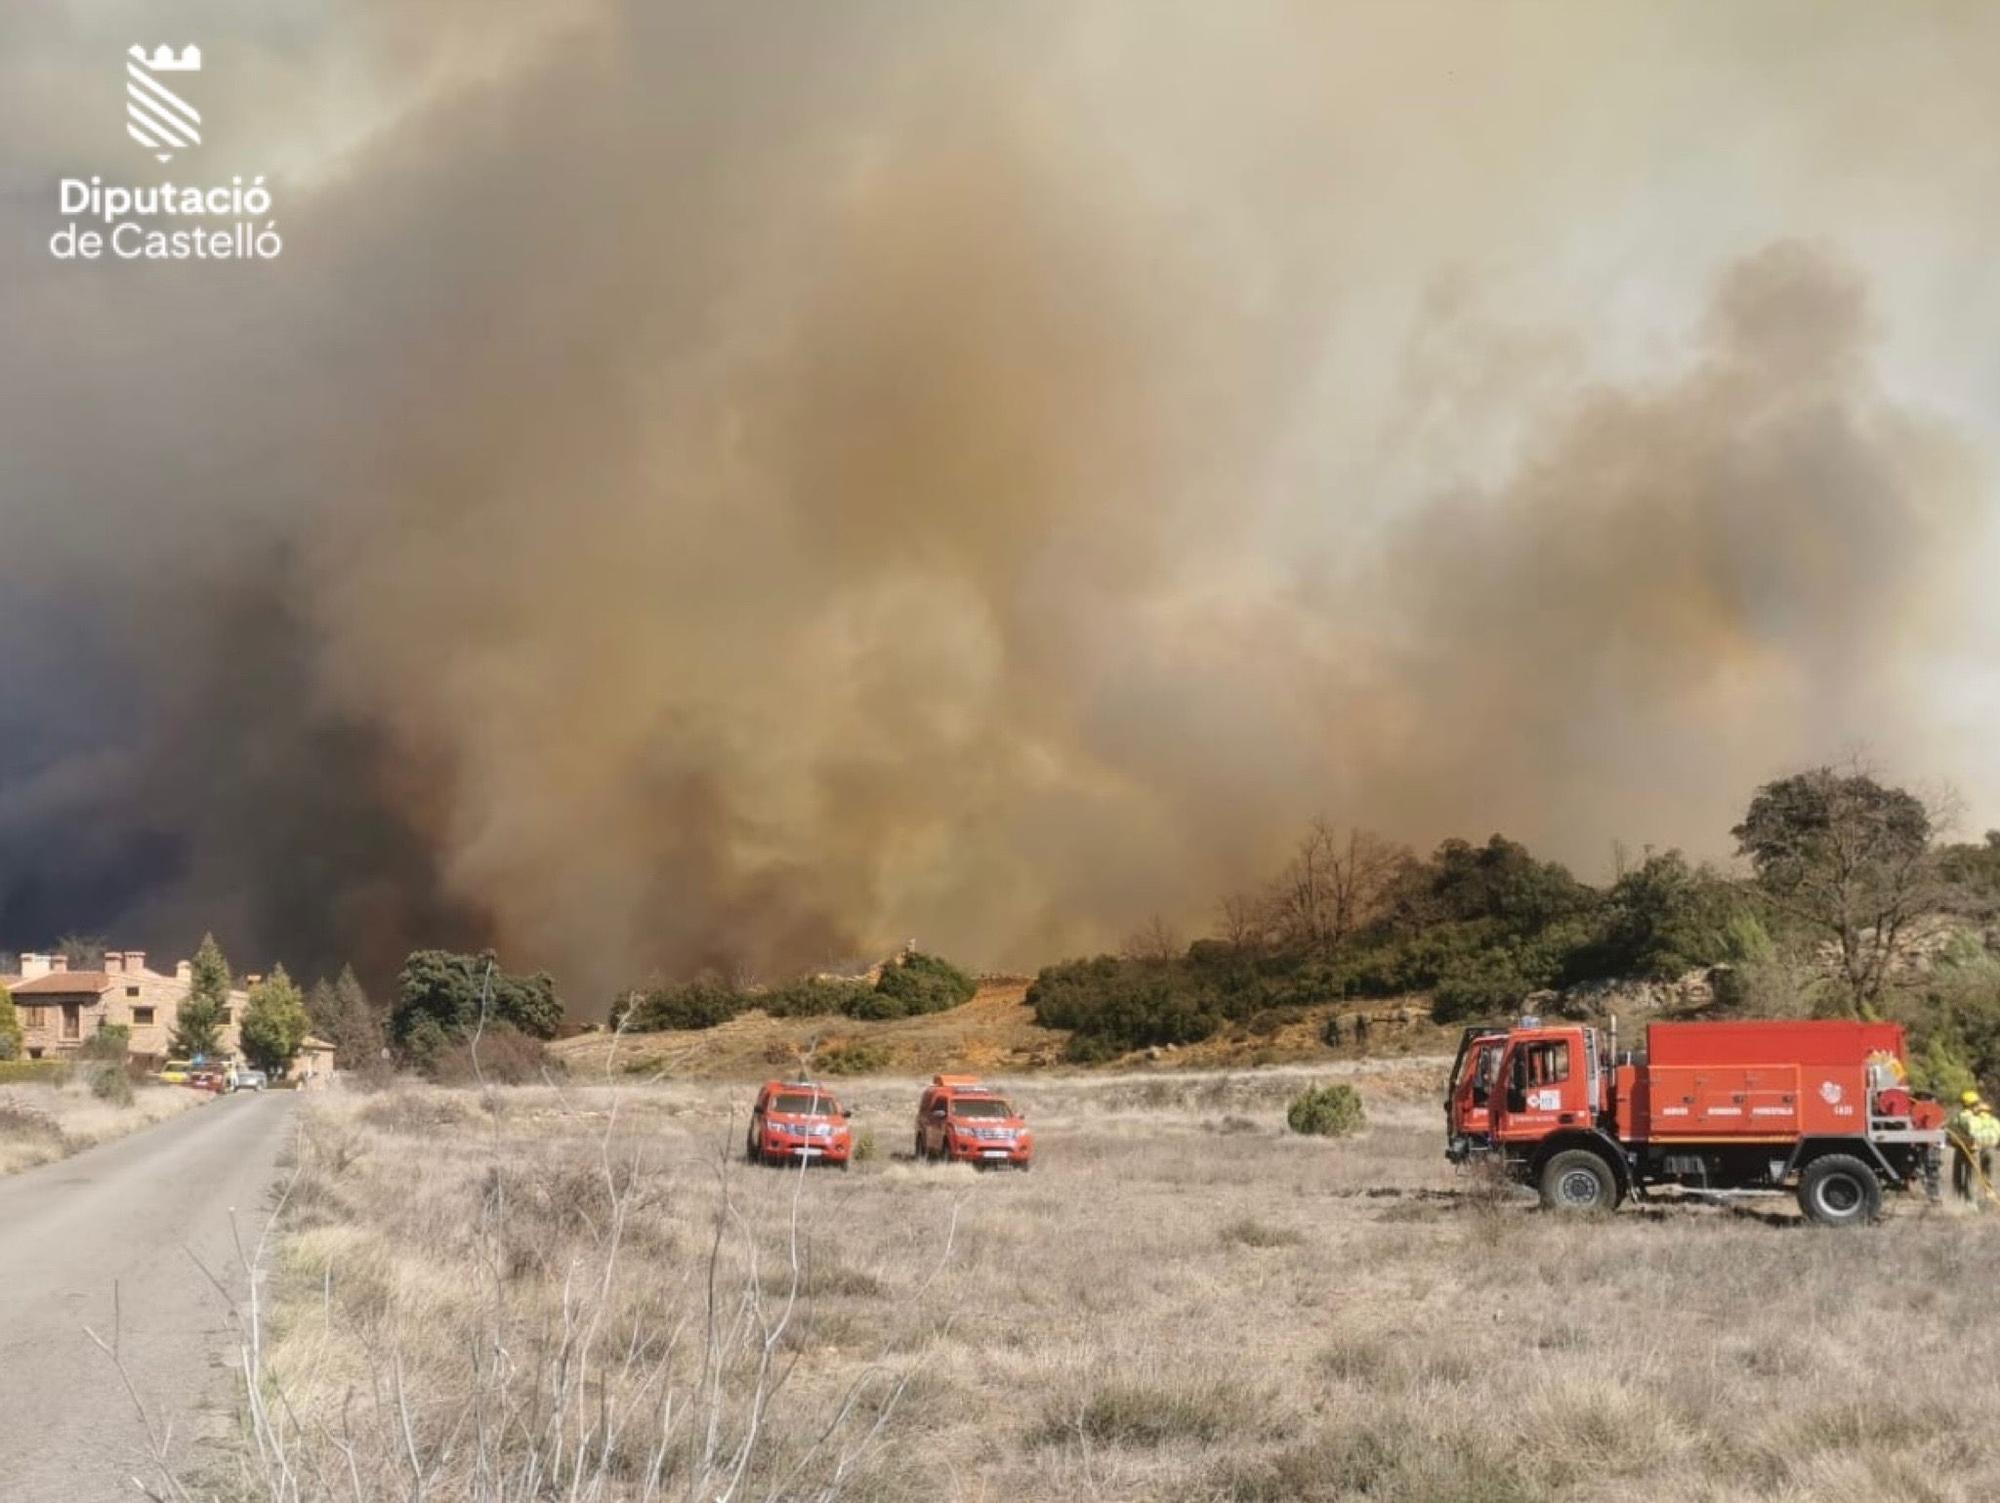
(142,1016)
(131,991)
(34,1054)
(72,1021)
(225,1017)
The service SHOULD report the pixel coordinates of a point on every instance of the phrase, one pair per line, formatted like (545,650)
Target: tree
(198,1025)
(10,1026)
(83,952)
(1851,859)
(1659,920)
(275,1023)
(1245,917)
(1154,941)
(342,1015)
(1333,886)
(441,998)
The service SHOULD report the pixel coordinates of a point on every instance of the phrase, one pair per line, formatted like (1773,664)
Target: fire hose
(1972,1152)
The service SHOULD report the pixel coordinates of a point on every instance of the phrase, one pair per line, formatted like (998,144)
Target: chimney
(184,971)
(58,963)
(34,966)
(135,961)
(253,979)
(114,962)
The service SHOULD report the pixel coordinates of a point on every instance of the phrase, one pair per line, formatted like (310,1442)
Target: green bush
(694,1004)
(1332,1111)
(112,1041)
(853,1059)
(109,1082)
(814,997)
(1112,1005)
(11,1031)
(1939,1068)
(918,984)
(34,1071)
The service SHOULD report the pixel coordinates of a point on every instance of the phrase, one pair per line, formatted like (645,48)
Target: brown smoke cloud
(711,488)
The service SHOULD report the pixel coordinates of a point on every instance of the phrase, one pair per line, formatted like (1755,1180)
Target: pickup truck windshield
(806,1106)
(981,1109)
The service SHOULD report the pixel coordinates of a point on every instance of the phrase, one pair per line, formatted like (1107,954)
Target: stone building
(60,1008)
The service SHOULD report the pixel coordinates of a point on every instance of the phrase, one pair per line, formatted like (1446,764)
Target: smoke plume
(717,486)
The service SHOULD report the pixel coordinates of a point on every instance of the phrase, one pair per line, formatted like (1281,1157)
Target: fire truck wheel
(1840,1190)
(1578,1180)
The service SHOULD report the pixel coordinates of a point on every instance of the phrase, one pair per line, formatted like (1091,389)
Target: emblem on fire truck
(1829,1092)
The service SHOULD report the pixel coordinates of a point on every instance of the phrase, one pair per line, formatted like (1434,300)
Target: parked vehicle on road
(175,1072)
(251,1080)
(961,1121)
(1818,1109)
(795,1121)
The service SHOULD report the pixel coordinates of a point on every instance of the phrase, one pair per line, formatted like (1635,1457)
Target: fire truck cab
(1468,1098)
(1816,1108)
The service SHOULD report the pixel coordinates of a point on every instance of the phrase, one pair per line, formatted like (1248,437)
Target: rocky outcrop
(1694,991)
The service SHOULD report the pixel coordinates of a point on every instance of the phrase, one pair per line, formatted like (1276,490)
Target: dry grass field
(42,1123)
(586,1294)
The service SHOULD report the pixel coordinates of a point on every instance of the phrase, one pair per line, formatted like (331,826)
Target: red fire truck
(1727,1108)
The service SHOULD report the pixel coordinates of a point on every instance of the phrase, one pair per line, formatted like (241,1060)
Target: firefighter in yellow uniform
(1986,1138)
(1964,1136)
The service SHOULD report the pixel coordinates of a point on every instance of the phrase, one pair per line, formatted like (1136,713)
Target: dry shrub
(1383,1456)
(408,1108)
(1247,1231)
(500,1056)
(19,1120)
(524,1303)
(1143,1414)
(1106,1327)
(859,1058)
(821,1277)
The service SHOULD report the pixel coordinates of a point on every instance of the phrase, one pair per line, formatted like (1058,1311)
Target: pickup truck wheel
(1578,1180)
(1840,1190)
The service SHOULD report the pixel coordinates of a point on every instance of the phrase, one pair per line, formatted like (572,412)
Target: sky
(708,486)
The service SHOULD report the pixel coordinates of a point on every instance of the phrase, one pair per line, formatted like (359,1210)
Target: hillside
(994,1033)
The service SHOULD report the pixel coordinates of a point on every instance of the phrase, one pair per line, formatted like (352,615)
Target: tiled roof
(62,984)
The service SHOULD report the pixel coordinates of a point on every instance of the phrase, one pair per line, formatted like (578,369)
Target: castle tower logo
(155,115)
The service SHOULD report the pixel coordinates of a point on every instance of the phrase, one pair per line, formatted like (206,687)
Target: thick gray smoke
(714,485)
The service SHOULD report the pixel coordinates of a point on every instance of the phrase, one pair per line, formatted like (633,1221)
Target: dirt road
(125,1217)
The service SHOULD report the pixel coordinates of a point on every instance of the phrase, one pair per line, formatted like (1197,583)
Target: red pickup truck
(796,1121)
(963,1122)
